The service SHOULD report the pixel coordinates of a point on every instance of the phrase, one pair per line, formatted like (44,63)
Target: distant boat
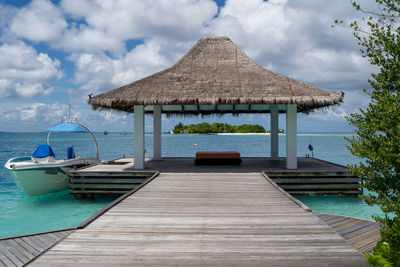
(123,133)
(105,133)
(41,173)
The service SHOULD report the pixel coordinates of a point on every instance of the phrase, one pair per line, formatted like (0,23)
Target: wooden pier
(20,250)
(206,218)
(362,234)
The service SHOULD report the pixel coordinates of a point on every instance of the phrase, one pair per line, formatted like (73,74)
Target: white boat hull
(41,181)
(43,178)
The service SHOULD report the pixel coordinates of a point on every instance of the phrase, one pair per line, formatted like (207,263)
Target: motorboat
(42,173)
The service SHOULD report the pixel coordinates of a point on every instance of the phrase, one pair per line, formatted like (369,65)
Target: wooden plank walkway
(224,219)
(18,251)
(362,234)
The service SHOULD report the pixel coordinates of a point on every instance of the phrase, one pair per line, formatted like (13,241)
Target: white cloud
(11,88)
(257,25)
(89,39)
(113,117)
(36,113)
(352,102)
(109,23)
(21,116)
(78,8)
(24,72)
(40,20)
(99,72)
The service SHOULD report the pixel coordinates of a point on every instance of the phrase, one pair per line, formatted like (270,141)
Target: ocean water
(22,214)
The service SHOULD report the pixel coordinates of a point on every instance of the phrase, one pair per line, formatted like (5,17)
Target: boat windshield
(71,127)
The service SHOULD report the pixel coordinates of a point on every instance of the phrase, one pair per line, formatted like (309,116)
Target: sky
(56,53)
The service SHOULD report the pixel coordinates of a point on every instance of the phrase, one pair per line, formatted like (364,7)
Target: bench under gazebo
(215,77)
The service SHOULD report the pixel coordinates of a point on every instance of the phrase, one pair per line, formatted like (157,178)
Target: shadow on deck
(250,164)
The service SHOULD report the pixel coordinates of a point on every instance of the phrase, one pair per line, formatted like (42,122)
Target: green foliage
(206,128)
(377,127)
(387,251)
(377,137)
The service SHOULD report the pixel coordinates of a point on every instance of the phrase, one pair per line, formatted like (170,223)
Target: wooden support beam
(274,123)
(291,136)
(138,139)
(157,132)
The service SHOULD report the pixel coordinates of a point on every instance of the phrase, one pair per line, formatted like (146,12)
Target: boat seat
(43,153)
(218,158)
(70,152)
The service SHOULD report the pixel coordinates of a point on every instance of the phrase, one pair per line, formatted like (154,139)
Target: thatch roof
(215,72)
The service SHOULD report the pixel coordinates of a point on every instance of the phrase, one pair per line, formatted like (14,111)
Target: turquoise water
(22,214)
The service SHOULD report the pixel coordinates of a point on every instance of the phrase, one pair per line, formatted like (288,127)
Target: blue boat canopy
(43,151)
(66,127)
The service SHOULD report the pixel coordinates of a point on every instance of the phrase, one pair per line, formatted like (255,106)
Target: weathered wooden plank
(103,186)
(17,250)
(109,174)
(29,248)
(107,180)
(326,192)
(320,180)
(38,242)
(44,240)
(319,186)
(305,173)
(362,234)
(339,219)
(353,227)
(10,255)
(361,230)
(94,191)
(21,248)
(5,260)
(32,244)
(367,241)
(365,235)
(368,248)
(346,224)
(339,224)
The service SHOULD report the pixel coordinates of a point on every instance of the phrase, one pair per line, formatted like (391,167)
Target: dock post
(157,133)
(291,136)
(274,131)
(138,139)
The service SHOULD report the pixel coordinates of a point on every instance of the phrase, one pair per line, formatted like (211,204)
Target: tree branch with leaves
(377,128)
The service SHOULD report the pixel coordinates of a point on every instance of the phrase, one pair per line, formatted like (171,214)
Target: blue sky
(55,53)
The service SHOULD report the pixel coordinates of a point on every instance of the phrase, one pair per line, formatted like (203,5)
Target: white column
(274,132)
(157,133)
(291,136)
(138,138)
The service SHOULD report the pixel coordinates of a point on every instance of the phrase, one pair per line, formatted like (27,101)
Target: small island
(217,128)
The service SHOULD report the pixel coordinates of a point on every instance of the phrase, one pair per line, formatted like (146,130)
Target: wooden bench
(218,158)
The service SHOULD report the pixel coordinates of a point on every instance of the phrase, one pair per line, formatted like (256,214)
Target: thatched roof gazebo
(216,77)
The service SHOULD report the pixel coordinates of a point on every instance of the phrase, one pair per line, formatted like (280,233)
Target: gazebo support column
(138,138)
(291,136)
(157,133)
(274,132)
